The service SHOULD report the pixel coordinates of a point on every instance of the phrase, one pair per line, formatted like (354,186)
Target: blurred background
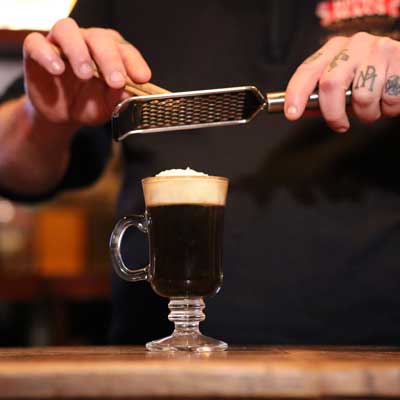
(54,261)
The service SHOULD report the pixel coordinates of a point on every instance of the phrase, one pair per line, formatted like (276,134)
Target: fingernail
(342,129)
(85,69)
(56,66)
(116,77)
(292,110)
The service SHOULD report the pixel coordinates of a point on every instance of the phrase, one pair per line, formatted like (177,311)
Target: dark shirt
(312,233)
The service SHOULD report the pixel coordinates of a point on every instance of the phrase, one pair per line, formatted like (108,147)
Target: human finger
(337,78)
(136,66)
(107,56)
(390,104)
(370,79)
(305,79)
(39,49)
(67,35)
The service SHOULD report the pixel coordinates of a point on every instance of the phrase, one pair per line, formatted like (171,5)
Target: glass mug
(184,222)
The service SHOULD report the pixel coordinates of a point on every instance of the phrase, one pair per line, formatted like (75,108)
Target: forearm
(34,153)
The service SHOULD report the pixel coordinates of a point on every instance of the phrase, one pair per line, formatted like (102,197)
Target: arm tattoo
(313,57)
(365,77)
(392,86)
(342,56)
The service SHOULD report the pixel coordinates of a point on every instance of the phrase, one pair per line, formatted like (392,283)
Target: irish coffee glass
(184,223)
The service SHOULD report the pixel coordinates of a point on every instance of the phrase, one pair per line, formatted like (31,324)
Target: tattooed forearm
(342,56)
(366,77)
(313,57)
(392,86)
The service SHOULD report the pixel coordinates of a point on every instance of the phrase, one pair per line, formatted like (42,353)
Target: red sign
(331,11)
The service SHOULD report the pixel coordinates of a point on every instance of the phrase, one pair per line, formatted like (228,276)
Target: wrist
(31,143)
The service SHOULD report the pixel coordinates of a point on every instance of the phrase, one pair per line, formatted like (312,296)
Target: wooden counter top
(256,372)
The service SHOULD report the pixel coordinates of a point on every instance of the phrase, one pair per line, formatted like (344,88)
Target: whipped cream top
(181,172)
(184,186)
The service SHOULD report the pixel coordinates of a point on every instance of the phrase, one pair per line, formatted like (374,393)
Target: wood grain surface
(253,372)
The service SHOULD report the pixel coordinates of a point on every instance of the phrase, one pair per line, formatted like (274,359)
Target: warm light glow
(33,14)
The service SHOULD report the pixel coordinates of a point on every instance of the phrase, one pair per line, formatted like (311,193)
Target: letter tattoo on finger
(342,56)
(367,77)
(313,57)
(392,86)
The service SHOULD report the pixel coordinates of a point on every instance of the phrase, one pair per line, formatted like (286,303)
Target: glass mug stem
(186,314)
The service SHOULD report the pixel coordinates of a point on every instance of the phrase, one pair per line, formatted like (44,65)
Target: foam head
(184,187)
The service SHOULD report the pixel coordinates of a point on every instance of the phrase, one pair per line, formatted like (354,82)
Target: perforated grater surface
(195,109)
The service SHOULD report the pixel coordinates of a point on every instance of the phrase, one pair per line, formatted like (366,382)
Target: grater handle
(276,101)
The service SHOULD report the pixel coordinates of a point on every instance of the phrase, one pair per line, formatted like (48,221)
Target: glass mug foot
(186,313)
(196,343)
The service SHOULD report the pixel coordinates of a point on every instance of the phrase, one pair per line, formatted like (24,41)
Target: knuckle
(361,36)
(126,46)
(94,32)
(385,44)
(63,23)
(365,116)
(88,34)
(390,101)
(332,119)
(364,98)
(80,59)
(30,40)
(370,118)
(390,110)
(330,84)
(333,116)
(33,46)
(336,40)
(114,33)
(69,21)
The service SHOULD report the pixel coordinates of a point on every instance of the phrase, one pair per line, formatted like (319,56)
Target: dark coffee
(186,249)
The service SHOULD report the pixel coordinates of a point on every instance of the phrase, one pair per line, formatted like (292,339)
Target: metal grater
(196,109)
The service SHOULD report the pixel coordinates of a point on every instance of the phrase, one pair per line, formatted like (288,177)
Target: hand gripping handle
(276,101)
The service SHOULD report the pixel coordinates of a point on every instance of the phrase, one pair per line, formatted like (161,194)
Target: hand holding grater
(197,109)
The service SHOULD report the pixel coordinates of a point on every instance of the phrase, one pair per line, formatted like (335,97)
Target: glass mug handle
(128,274)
